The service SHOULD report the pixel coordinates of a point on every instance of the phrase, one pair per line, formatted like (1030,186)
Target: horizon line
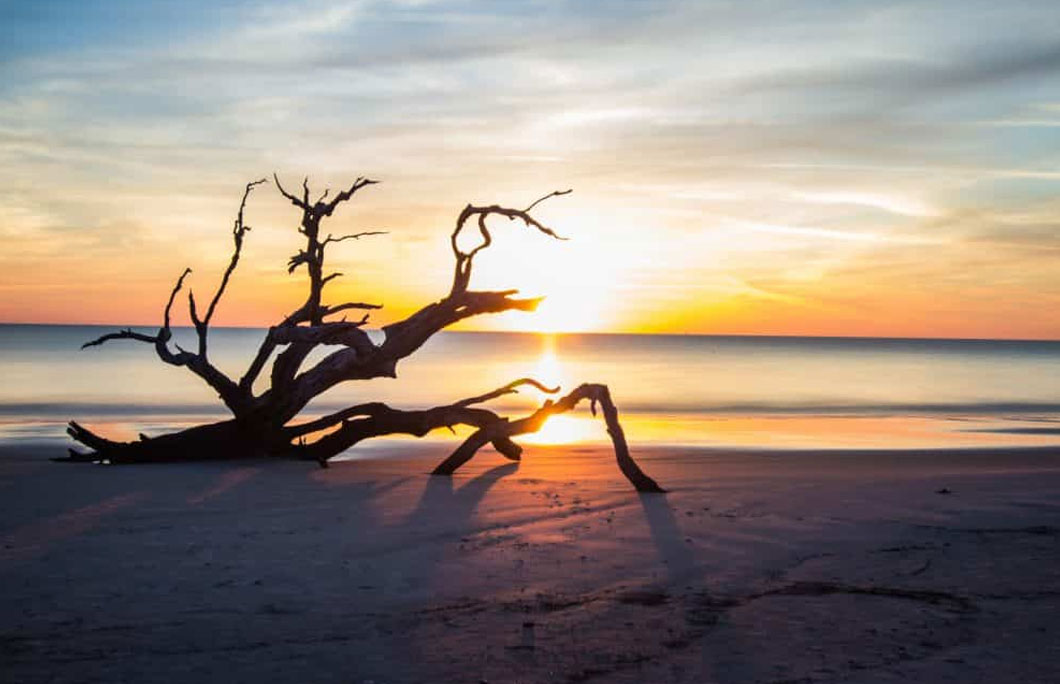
(594,332)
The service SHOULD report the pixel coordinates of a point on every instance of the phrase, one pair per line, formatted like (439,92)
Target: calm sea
(671,389)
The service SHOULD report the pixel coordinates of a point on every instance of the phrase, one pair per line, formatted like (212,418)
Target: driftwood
(265,423)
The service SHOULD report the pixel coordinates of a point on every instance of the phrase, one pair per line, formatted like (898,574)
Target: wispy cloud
(922,75)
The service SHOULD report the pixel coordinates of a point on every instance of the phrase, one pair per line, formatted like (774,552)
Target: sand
(756,567)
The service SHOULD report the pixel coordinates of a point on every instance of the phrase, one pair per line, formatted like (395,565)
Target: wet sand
(756,567)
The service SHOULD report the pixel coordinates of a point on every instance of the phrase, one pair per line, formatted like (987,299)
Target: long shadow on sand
(441,501)
(444,513)
(667,537)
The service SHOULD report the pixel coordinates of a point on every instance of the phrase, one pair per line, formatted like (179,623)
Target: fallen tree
(266,423)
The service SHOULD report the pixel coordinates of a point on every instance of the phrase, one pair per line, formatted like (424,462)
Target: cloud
(1032,232)
(905,77)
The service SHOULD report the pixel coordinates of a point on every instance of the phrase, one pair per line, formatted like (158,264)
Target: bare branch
(500,430)
(352,236)
(239,229)
(268,346)
(163,334)
(376,408)
(226,389)
(327,209)
(462,268)
(294,200)
(297,260)
(554,193)
(487,239)
(370,420)
(301,315)
(401,339)
(193,311)
(288,363)
(329,310)
(332,419)
(510,388)
(169,304)
(347,333)
(376,419)
(126,334)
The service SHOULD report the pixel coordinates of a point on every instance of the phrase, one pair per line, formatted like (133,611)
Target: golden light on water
(565,429)
(722,430)
(548,368)
(561,429)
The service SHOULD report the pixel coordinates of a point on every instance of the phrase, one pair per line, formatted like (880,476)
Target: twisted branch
(462,268)
(505,430)
(364,421)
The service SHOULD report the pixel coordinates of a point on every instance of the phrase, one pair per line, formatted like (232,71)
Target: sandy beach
(756,567)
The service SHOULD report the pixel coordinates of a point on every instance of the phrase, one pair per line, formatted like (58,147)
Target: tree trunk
(224,440)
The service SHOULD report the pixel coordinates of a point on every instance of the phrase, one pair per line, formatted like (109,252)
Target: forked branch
(235,397)
(402,338)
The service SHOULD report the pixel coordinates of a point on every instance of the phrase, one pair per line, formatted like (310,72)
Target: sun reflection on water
(564,430)
(549,369)
(560,429)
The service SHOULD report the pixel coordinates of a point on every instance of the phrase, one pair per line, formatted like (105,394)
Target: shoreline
(752,433)
(152,325)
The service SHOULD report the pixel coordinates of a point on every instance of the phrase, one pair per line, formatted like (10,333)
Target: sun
(573,309)
(581,280)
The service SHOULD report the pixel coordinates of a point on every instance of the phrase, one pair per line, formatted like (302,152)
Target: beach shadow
(440,500)
(437,529)
(669,541)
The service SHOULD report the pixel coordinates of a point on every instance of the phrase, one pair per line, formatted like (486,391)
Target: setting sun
(583,279)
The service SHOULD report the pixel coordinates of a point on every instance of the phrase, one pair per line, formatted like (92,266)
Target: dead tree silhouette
(265,423)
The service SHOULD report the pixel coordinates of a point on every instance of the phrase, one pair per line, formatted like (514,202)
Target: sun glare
(572,312)
(580,279)
(563,430)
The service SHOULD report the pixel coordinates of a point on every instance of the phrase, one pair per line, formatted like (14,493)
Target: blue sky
(877,168)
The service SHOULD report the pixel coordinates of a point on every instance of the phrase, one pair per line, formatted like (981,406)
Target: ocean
(720,391)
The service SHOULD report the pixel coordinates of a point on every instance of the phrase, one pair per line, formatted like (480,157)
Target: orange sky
(724,280)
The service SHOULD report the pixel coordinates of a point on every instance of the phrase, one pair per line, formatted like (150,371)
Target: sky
(744,167)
